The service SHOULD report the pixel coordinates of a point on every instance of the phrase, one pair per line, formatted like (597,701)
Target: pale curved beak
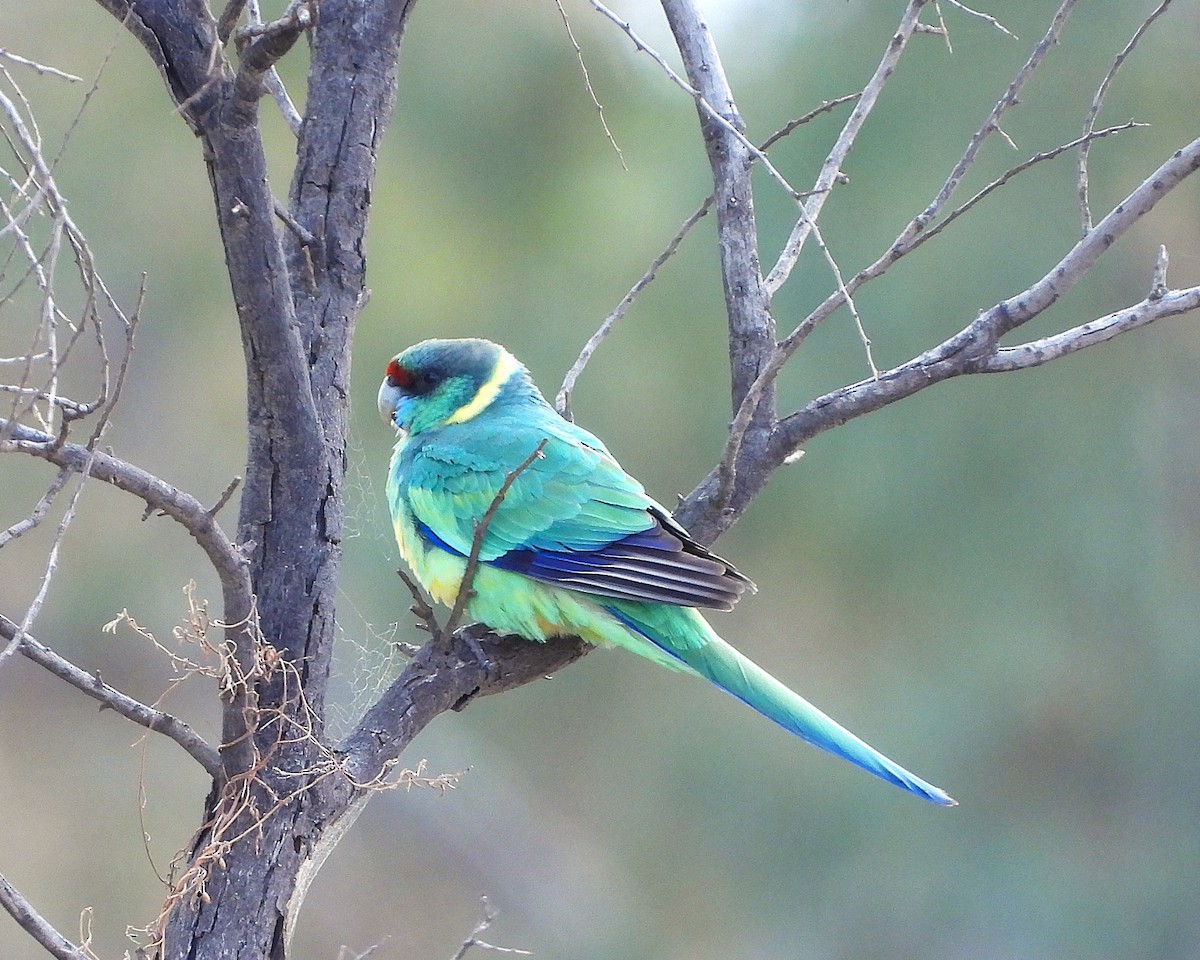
(389,401)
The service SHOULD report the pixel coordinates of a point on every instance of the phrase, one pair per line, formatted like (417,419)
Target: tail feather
(738,675)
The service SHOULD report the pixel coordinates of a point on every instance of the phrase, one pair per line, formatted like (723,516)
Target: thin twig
(40,68)
(185,509)
(1014,171)
(991,124)
(831,169)
(421,609)
(1081,257)
(283,100)
(705,107)
(465,591)
(39,511)
(704,62)
(35,605)
(986,17)
(751,402)
(229,18)
(40,171)
(562,400)
(1158,282)
(587,82)
(907,242)
(792,125)
(345,953)
(913,235)
(941,30)
(274,84)
(110,401)
(261,45)
(967,350)
(473,940)
(971,351)
(305,237)
(1089,124)
(976,340)
(224,497)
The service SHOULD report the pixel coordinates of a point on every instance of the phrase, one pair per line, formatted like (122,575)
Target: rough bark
(297,293)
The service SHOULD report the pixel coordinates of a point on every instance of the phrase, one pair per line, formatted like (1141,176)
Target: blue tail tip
(942,798)
(927,791)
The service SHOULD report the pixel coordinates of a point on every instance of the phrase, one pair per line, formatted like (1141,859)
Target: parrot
(575,546)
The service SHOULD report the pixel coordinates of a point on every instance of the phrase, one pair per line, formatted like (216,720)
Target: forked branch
(181,507)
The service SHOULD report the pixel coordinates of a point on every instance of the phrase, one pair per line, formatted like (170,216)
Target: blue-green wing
(572,517)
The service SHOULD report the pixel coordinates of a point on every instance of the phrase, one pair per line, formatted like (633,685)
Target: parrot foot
(464,646)
(469,639)
(473,654)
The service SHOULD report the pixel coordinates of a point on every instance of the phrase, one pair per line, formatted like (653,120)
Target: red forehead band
(397,376)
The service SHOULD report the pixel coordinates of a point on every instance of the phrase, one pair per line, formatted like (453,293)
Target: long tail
(712,658)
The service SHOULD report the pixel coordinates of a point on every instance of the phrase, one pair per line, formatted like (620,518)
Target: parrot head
(436,382)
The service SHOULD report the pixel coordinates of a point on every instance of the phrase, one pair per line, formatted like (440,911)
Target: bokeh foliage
(994,581)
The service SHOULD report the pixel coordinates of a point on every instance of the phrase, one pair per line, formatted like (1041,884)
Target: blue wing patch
(658,564)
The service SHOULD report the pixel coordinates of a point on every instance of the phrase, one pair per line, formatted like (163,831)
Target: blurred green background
(994,581)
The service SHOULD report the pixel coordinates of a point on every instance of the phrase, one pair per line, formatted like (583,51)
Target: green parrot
(575,547)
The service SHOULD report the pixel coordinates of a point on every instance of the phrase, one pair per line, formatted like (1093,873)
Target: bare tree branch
(831,169)
(126,706)
(698,29)
(792,125)
(968,349)
(229,18)
(1097,102)
(562,400)
(1158,283)
(747,300)
(35,605)
(587,82)
(985,17)
(437,680)
(40,509)
(1001,180)
(908,241)
(37,926)
(754,411)
(962,353)
(40,68)
(707,508)
(991,125)
(1037,352)
(262,45)
(181,507)
(181,40)
(298,294)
